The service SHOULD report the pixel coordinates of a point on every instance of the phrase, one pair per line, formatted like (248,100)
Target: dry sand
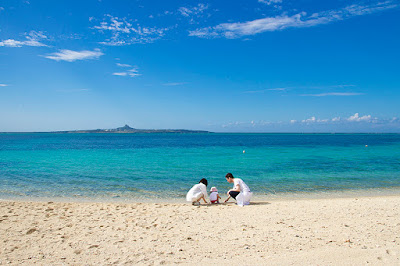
(345,231)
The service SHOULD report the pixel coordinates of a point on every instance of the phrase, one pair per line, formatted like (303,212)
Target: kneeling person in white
(240,191)
(198,192)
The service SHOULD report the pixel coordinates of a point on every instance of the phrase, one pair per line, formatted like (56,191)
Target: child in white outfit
(214,197)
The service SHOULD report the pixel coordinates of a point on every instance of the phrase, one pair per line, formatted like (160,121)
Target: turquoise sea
(165,166)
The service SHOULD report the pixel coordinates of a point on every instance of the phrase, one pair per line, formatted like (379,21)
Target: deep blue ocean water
(140,166)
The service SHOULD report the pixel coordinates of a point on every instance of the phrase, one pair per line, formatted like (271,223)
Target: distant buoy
(366,145)
(244,151)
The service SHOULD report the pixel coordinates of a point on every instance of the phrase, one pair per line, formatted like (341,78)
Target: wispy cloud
(123,65)
(304,89)
(70,56)
(33,38)
(189,11)
(115,25)
(326,87)
(174,83)
(264,90)
(342,86)
(3,85)
(313,119)
(357,118)
(278,89)
(134,72)
(338,122)
(353,118)
(299,20)
(72,90)
(270,2)
(275,3)
(193,12)
(253,124)
(334,94)
(121,31)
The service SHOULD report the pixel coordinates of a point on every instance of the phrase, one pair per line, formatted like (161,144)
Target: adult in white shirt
(198,192)
(240,191)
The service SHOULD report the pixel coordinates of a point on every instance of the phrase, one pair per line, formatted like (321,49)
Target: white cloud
(286,89)
(354,118)
(110,42)
(365,123)
(3,85)
(133,72)
(174,83)
(277,89)
(334,94)
(269,2)
(70,56)
(234,124)
(312,120)
(32,39)
(299,20)
(264,90)
(130,73)
(11,43)
(123,65)
(72,90)
(121,31)
(357,118)
(115,25)
(120,74)
(190,11)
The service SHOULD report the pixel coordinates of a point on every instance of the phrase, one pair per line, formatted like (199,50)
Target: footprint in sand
(30,231)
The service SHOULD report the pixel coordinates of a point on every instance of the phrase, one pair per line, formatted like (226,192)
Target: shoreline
(334,194)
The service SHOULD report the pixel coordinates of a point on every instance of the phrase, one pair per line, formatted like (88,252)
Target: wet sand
(338,231)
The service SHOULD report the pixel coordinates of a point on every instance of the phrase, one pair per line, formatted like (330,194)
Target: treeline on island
(128,129)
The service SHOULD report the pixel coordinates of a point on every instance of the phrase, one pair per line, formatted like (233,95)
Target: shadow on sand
(234,204)
(259,203)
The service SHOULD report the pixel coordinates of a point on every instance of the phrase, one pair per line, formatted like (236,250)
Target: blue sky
(223,66)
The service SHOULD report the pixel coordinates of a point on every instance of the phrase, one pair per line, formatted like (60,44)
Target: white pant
(244,198)
(197,197)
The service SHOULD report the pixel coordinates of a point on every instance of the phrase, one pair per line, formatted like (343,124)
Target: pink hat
(213,189)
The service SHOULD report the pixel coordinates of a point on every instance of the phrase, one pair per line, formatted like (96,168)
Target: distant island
(128,129)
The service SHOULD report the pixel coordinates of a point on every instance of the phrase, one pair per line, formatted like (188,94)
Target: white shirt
(213,196)
(195,190)
(243,186)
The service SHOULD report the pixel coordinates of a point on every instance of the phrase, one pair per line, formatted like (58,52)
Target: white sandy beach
(341,231)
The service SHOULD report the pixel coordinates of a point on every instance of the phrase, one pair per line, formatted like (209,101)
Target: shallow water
(161,166)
